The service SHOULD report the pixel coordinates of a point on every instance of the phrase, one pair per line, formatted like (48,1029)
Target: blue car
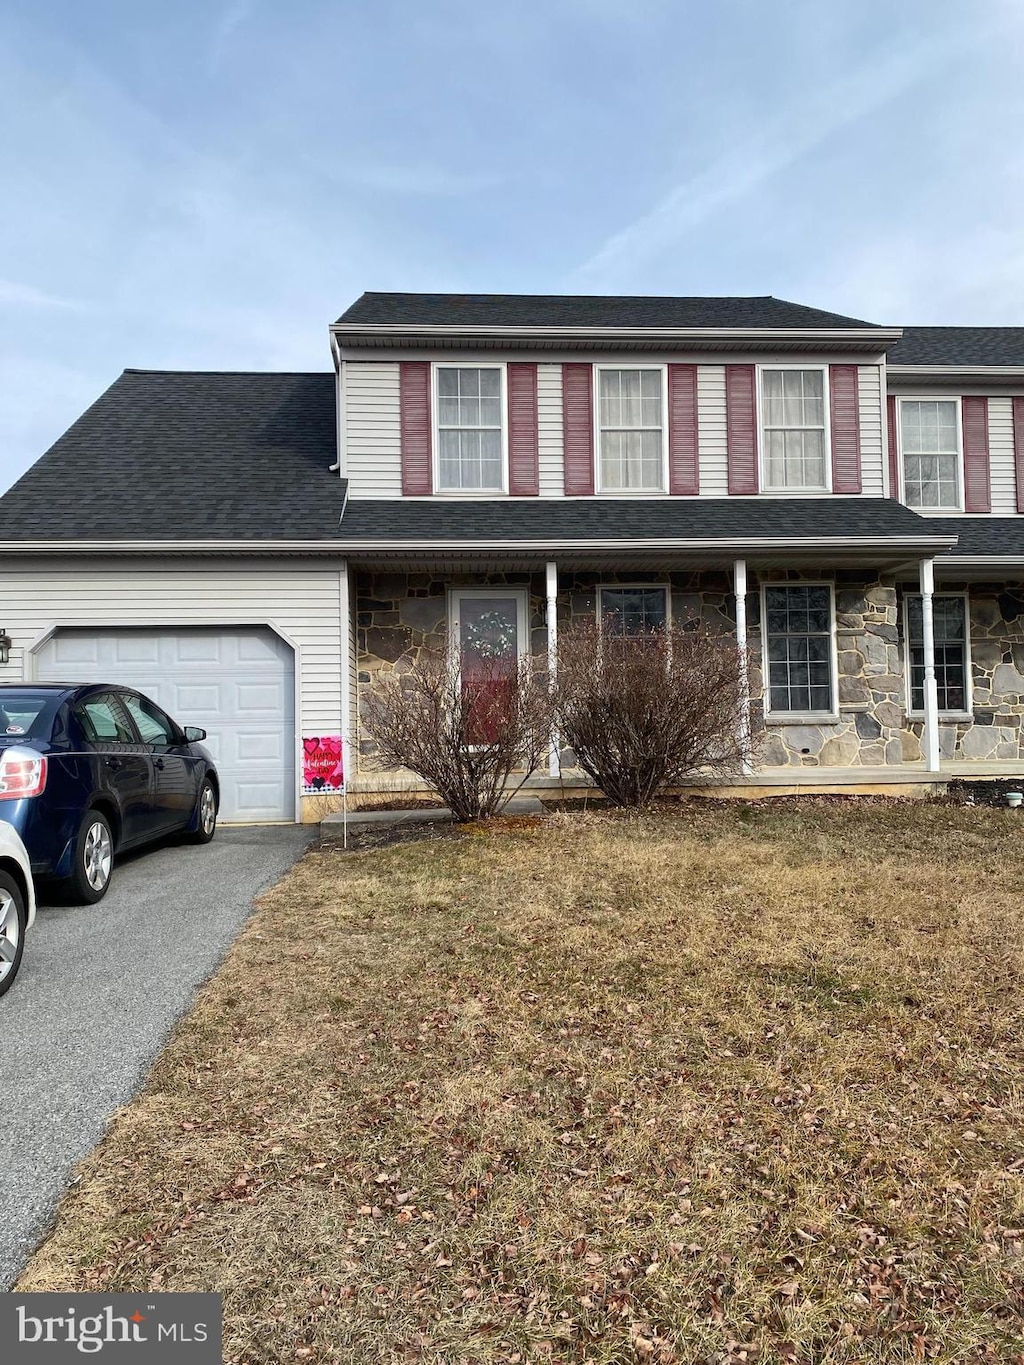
(87,772)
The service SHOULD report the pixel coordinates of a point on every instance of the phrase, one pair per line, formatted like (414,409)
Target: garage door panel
(238,684)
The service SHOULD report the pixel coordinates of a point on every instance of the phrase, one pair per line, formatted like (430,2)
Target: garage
(237,683)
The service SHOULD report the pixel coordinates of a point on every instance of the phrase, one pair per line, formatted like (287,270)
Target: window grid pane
(469,428)
(949,628)
(627,612)
(798,627)
(928,434)
(794,428)
(631,429)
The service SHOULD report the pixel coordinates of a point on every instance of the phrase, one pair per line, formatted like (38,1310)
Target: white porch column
(931,692)
(551,577)
(347,668)
(740,589)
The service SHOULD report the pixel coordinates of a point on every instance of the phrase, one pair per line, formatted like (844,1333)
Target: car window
(103,720)
(153,725)
(25,713)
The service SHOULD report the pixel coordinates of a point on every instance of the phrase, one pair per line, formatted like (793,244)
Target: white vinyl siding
(549,431)
(373,429)
(1001,460)
(872,442)
(302,600)
(711,431)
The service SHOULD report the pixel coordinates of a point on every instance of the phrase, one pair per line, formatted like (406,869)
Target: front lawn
(721,1083)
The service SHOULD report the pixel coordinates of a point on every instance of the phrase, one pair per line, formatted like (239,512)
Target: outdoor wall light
(5,646)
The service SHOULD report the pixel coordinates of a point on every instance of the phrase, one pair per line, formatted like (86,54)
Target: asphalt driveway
(98,991)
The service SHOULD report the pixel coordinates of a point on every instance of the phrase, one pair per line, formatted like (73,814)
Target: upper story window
(470,440)
(632,611)
(631,429)
(794,426)
(798,647)
(930,443)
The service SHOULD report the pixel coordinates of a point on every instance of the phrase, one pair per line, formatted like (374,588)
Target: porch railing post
(740,589)
(551,581)
(931,691)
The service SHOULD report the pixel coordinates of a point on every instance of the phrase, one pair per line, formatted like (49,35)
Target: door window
(489,630)
(153,725)
(103,721)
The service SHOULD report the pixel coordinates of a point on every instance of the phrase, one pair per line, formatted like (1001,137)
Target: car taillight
(22,773)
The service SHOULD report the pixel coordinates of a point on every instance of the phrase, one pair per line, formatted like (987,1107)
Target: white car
(17,903)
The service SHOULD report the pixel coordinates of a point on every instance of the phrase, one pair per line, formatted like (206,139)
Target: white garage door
(238,684)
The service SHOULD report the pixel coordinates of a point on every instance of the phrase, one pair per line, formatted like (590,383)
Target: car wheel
(12,930)
(206,814)
(94,859)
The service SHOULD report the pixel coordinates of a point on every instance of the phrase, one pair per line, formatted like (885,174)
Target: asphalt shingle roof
(586,310)
(552,519)
(926,346)
(998,536)
(188,456)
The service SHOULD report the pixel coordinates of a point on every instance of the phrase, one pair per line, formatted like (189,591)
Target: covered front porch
(849,685)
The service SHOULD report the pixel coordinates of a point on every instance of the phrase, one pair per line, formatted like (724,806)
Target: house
(252,549)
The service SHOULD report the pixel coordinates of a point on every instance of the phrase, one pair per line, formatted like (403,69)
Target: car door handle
(158,763)
(112,763)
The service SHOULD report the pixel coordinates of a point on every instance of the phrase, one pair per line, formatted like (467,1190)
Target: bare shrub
(643,712)
(464,732)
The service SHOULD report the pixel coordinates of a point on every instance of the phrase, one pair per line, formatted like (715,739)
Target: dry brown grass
(718,1083)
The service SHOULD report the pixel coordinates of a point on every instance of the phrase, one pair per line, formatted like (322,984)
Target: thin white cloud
(15,295)
(772,148)
(231,18)
(421,180)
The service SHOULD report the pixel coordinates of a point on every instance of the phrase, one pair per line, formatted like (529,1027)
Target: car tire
(93,860)
(205,814)
(13,922)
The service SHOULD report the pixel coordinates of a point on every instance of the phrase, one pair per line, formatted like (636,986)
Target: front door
(489,626)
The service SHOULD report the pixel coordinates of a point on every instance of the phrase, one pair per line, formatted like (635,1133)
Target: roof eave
(874,339)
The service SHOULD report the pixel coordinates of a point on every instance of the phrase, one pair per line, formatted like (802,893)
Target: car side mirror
(193,734)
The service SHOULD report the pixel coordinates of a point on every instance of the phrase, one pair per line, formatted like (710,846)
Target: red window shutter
(578,429)
(844,392)
(414,403)
(977,483)
(1018,449)
(523,469)
(894,459)
(683,466)
(741,428)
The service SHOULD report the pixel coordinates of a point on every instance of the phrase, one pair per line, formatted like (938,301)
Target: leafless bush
(641,713)
(465,732)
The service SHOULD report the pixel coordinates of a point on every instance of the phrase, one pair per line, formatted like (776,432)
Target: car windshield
(25,714)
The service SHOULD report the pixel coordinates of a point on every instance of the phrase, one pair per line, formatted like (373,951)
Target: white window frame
(902,398)
(435,429)
(455,597)
(598,463)
(796,717)
(784,491)
(968,712)
(627,587)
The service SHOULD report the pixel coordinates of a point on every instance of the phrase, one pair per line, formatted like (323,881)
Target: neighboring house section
(842,499)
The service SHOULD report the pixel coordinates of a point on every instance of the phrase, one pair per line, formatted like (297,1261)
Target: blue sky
(206,186)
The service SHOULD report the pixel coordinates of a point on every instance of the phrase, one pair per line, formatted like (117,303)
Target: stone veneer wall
(996,615)
(870,729)
(399,615)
